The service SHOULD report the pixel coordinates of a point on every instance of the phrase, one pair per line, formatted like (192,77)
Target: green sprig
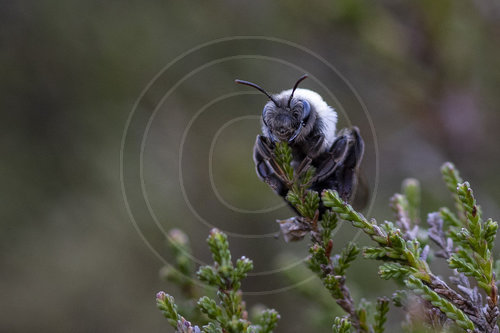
(317,259)
(229,314)
(332,284)
(347,256)
(332,199)
(393,270)
(452,178)
(452,312)
(341,325)
(392,244)
(284,157)
(167,306)
(307,205)
(219,246)
(328,224)
(267,322)
(362,311)
(209,307)
(212,328)
(381,314)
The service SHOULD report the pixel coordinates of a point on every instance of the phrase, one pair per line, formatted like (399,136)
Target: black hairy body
(301,118)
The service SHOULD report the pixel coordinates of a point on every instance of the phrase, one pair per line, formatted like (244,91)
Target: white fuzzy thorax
(325,112)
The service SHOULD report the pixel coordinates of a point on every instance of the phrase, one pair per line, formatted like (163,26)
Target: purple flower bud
(161,296)
(178,237)
(213,232)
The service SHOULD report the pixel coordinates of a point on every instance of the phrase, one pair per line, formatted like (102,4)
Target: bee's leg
(312,153)
(347,170)
(318,141)
(332,158)
(339,169)
(262,156)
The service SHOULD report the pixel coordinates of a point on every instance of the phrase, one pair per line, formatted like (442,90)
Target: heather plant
(226,313)
(463,239)
(467,300)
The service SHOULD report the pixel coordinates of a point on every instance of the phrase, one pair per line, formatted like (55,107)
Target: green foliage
(182,271)
(381,314)
(362,311)
(267,322)
(334,285)
(219,246)
(284,157)
(418,287)
(317,259)
(345,211)
(228,314)
(341,325)
(212,328)
(394,270)
(464,239)
(476,237)
(328,224)
(306,202)
(451,223)
(347,256)
(400,298)
(167,306)
(405,255)
(329,268)
(451,178)
(392,245)
(210,308)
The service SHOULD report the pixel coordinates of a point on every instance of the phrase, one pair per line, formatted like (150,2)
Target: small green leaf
(167,306)
(341,325)
(219,246)
(332,283)
(392,270)
(347,256)
(212,328)
(243,266)
(452,312)
(381,314)
(209,307)
(268,321)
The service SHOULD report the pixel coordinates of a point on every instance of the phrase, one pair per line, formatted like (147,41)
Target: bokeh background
(75,75)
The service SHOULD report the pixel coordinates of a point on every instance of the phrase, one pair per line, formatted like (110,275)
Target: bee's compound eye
(306,112)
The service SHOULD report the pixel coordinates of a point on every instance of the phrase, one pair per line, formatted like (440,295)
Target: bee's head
(284,116)
(286,123)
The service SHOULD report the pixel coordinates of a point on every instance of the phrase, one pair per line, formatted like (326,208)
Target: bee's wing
(361,195)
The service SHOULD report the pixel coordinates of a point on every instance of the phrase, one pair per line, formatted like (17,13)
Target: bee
(308,124)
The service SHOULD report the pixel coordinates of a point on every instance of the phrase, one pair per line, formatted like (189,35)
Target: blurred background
(86,82)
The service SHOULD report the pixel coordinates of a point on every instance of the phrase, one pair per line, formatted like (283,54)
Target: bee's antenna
(258,88)
(302,78)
